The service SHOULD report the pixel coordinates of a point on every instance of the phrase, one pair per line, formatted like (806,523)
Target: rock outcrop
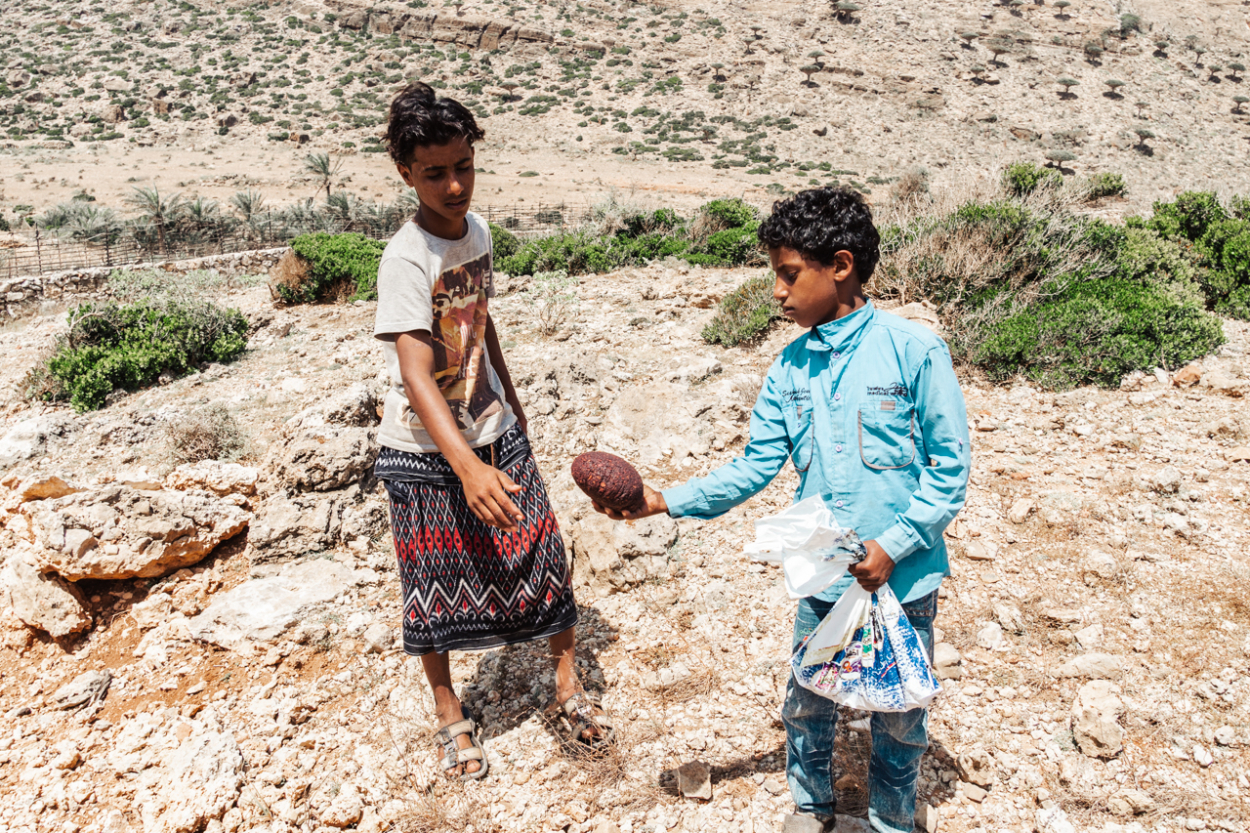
(117,532)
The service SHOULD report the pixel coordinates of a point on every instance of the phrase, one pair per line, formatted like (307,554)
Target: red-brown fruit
(608,480)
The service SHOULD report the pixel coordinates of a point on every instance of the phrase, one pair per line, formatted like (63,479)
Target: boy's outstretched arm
(485,488)
(942,418)
(731,484)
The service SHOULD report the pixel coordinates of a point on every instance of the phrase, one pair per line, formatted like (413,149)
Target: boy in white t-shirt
(480,554)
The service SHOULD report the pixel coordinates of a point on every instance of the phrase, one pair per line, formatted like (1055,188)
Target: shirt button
(837,396)
(838,448)
(836,354)
(838,504)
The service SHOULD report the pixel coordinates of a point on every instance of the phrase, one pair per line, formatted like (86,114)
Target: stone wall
(22,294)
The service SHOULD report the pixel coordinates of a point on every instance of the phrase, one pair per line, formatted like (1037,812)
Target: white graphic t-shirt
(442,287)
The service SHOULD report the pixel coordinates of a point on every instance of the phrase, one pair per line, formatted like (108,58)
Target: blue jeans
(899,740)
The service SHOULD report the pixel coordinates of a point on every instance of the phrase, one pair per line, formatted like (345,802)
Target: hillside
(679,100)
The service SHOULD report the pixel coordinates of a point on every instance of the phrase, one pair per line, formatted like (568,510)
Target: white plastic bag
(806,540)
(866,655)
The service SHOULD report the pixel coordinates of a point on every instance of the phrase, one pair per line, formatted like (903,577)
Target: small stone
(1020,510)
(1225,736)
(1009,616)
(1202,756)
(980,550)
(990,636)
(379,637)
(773,786)
(89,687)
(1241,454)
(974,793)
(694,780)
(1090,637)
(1187,376)
(976,766)
(1091,666)
(927,818)
(947,661)
(607,826)
(1095,720)
(1130,802)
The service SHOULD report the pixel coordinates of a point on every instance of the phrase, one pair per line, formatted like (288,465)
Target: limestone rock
(1187,376)
(1009,617)
(345,810)
(29,439)
(45,602)
(976,766)
(1095,720)
(1091,666)
(196,778)
(322,459)
(356,406)
(214,476)
(1130,801)
(116,532)
(980,550)
(291,525)
(1020,510)
(85,689)
(262,609)
(652,422)
(990,636)
(611,554)
(947,662)
(45,487)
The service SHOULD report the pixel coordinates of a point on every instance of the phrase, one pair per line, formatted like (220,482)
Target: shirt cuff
(683,500)
(899,541)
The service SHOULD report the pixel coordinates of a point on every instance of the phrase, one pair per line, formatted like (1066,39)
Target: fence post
(38,250)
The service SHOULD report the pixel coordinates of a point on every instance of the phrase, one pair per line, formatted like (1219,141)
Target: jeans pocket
(924,608)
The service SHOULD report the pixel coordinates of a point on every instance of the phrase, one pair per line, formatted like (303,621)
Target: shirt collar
(842,334)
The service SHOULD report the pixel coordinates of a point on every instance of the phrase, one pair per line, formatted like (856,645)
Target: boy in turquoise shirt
(868,408)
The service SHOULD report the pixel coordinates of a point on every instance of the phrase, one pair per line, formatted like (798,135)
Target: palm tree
(204,218)
(161,212)
(101,226)
(248,205)
(320,165)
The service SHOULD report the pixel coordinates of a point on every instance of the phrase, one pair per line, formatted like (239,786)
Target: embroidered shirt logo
(896,389)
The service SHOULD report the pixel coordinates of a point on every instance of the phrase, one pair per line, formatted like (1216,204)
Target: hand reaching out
(652,504)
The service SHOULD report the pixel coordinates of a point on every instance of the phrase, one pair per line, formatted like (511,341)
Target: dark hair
(820,222)
(419,118)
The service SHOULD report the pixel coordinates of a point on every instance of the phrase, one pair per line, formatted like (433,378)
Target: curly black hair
(820,222)
(419,118)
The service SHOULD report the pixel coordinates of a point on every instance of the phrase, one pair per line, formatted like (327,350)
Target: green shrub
(735,246)
(1146,258)
(332,263)
(730,213)
(1022,178)
(1189,217)
(1105,185)
(1098,331)
(744,314)
(503,242)
(128,346)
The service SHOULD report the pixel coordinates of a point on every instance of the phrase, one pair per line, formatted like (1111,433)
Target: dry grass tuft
(207,433)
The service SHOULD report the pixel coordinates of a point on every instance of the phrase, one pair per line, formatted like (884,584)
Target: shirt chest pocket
(799,427)
(887,438)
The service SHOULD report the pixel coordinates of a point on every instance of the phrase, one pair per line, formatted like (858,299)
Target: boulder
(292,525)
(47,603)
(652,422)
(116,532)
(187,774)
(45,486)
(355,406)
(260,610)
(29,438)
(84,690)
(322,459)
(1091,666)
(1095,720)
(214,476)
(614,555)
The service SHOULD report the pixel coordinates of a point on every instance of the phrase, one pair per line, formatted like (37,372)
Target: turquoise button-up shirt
(869,410)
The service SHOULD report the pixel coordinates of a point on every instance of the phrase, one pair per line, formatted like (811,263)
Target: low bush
(1218,241)
(1105,185)
(209,432)
(1023,178)
(329,266)
(503,242)
(722,234)
(1031,288)
(128,346)
(744,314)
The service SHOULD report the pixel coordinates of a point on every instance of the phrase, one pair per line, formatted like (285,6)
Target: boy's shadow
(512,684)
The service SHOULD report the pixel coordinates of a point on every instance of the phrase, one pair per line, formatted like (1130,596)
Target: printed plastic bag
(812,549)
(866,655)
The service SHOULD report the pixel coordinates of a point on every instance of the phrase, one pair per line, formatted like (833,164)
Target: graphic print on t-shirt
(459,339)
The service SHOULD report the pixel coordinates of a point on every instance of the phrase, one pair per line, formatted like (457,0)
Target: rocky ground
(213,646)
(580,99)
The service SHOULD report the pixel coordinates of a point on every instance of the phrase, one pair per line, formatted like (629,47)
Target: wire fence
(43,251)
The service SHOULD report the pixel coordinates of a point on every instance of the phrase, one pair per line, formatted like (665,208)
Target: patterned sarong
(468,586)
